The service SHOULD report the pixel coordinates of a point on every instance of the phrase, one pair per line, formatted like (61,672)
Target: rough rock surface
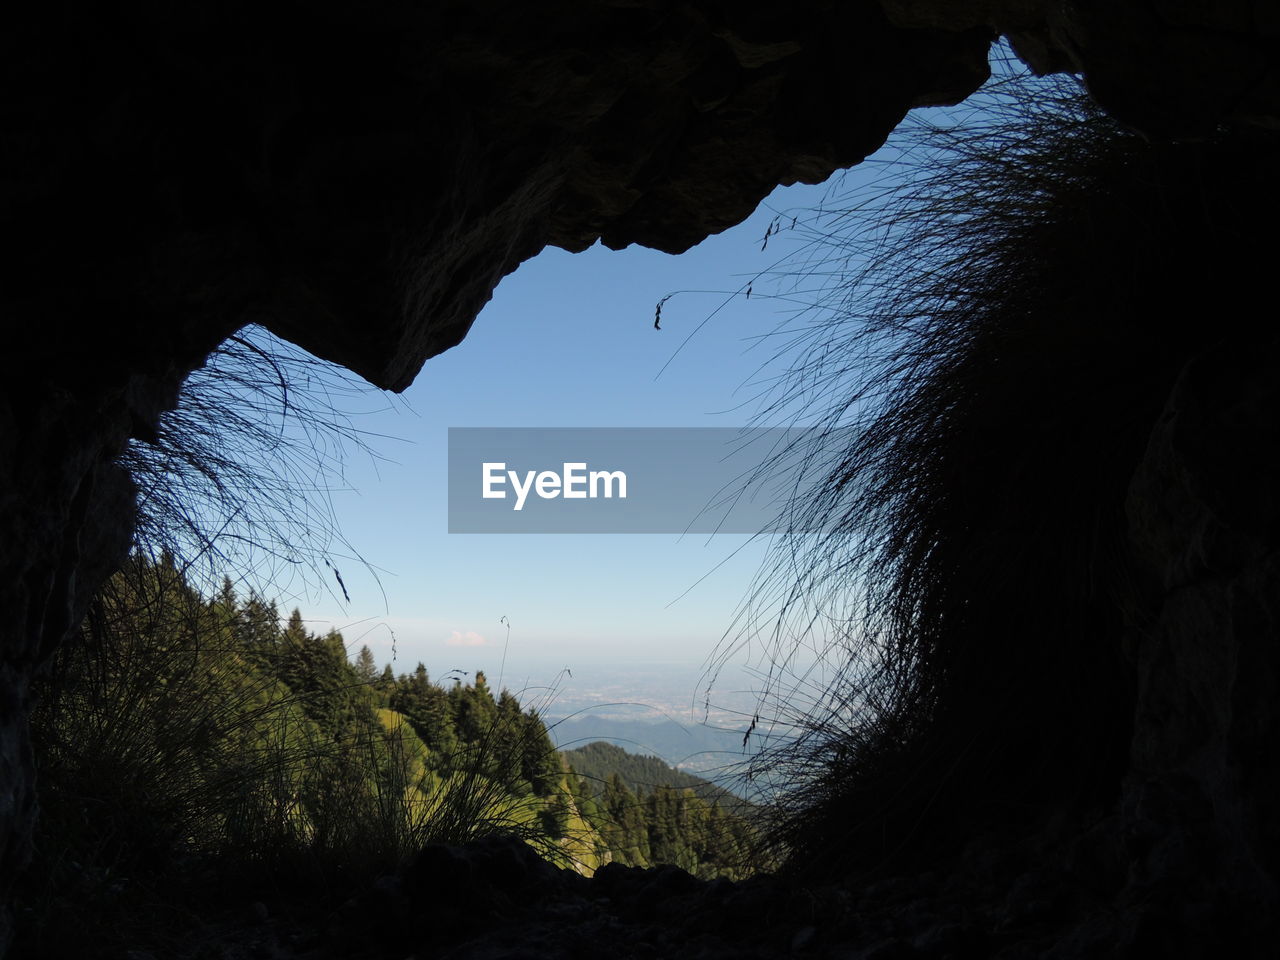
(1175,68)
(1203,786)
(495,900)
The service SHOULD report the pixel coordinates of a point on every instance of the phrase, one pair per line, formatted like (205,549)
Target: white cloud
(469,639)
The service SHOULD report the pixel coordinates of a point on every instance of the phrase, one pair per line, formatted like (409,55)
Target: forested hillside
(649,813)
(184,726)
(187,731)
(641,772)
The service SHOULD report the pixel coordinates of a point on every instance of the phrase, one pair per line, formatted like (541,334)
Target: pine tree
(387,681)
(539,761)
(428,710)
(625,828)
(258,628)
(317,670)
(366,667)
(474,710)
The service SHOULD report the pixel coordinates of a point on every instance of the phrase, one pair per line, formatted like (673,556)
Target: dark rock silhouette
(359,181)
(1068,505)
(1173,68)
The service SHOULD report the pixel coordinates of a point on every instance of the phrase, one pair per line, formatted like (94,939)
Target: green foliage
(650,814)
(366,666)
(427,708)
(182,727)
(597,760)
(187,737)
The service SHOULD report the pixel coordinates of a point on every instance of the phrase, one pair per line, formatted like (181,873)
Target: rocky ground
(496,900)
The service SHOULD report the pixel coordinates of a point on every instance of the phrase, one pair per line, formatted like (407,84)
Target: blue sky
(568,340)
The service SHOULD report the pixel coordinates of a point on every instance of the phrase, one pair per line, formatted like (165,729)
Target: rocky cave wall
(358,179)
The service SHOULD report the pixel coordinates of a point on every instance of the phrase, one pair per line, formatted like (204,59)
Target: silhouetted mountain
(695,748)
(641,774)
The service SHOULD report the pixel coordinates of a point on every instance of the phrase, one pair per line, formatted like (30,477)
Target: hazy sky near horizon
(567,340)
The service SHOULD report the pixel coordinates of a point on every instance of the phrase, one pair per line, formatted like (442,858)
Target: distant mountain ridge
(642,774)
(697,747)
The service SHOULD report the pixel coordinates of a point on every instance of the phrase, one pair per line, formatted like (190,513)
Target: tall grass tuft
(996,325)
(238,476)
